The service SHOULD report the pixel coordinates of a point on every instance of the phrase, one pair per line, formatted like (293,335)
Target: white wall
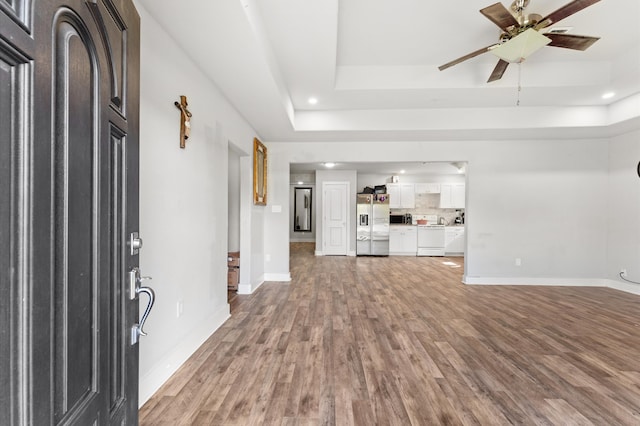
(183,205)
(541,201)
(276,220)
(368,179)
(623,211)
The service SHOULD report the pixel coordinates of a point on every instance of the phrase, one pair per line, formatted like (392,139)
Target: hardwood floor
(400,341)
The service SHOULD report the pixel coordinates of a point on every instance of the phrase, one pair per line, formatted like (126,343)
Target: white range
(430,236)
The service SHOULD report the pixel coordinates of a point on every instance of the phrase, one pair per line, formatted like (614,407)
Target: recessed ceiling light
(608,95)
(329,165)
(312,100)
(300,182)
(401,171)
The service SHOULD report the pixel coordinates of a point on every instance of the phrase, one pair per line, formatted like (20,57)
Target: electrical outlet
(623,272)
(518,261)
(179,308)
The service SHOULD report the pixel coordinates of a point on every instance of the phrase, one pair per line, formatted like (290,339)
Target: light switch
(276,209)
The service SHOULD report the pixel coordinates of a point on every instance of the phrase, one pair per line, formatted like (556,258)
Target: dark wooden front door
(69,72)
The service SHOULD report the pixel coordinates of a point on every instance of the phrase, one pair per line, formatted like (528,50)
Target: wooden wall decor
(185,120)
(259,173)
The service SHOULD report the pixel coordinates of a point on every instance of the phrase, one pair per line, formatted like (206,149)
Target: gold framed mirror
(259,173)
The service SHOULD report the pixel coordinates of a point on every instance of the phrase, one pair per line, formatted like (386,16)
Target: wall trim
(319,253)
(351,253)
(249,288)
(158,374)
(622,286)
(277,277)
(244,288)
(563,282)
(560,282)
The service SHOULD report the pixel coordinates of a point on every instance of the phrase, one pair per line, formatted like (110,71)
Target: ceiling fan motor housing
(519,5)
(524,23)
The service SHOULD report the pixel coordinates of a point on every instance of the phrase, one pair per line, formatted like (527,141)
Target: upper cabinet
(452,195)
(427,188)
(401,195)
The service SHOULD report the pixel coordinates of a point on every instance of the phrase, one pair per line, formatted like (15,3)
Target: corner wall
(234,188)
(623,212)
(183,205)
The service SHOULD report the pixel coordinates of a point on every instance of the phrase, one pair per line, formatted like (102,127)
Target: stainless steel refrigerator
(373,225)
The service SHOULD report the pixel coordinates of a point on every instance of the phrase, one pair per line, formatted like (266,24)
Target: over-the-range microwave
(399,218)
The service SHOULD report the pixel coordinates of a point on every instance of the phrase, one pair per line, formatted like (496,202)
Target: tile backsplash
(429,204)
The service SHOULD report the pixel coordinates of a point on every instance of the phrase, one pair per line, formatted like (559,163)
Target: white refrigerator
(372,231)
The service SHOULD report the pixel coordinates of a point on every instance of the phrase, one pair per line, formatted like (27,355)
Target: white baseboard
(623,286)
(277,277)
(169,364)
(566,282)
(581,282)
(321,253)
(250,288)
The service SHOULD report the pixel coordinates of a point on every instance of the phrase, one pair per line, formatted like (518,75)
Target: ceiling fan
(522,34)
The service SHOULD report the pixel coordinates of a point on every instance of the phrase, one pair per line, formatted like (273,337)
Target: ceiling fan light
(521,46)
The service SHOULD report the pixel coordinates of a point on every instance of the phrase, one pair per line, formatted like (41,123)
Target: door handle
(152,298)
(135,281)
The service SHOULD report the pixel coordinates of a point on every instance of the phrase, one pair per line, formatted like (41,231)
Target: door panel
(16,10)
(117,297)
(69,199)
(76,217)
(335,218)
(15,78)
(114,38)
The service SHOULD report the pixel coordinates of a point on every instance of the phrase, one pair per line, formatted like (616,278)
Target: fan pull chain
(519,82)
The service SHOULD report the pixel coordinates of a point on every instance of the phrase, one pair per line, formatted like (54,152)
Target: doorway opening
(233,214)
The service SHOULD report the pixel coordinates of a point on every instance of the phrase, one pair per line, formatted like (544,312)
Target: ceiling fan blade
(498,71)
(576,42)
(465,57)
(499,15)
(566,10)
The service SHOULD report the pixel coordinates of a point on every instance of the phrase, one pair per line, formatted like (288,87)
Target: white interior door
(335,213)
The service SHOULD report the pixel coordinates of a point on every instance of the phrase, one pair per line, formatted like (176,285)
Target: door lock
(135,243)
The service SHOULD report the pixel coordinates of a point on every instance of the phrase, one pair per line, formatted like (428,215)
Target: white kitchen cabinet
(454,240)
(401,195)
(427,188)
(452,196)
(403,240)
